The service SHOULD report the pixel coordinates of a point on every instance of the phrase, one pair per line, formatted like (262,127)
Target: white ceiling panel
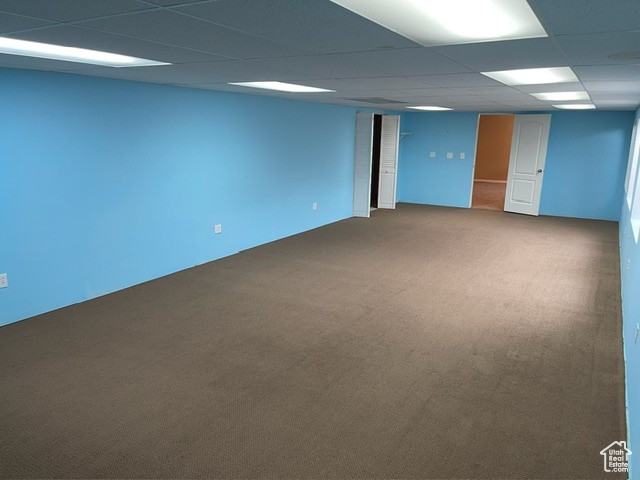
(606,72)
(30,63)
(372,83)
(407,61)
(621,87)
(295,22)
(581,16)
(194,73)
(71,10)
(457,80)
(552,87)
(164,26)
(322,66)
(594,49)
(530,53)
(316,42)
(74,36)
(14,23)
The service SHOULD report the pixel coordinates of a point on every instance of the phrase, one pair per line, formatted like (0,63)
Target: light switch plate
(461,155)
(4,281)
(217,228)
(449,154)
(432,154)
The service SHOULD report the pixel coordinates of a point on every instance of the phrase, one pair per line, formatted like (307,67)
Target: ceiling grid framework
(211,43)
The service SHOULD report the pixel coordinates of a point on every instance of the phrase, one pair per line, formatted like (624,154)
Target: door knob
(539,170)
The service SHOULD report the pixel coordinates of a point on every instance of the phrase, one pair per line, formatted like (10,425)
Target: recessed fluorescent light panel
(11,46)
(561,96)
(451,22)
(282,87)
(431,109)
(533,76)
(577,106)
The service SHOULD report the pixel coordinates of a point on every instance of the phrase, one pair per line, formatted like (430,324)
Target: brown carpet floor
(488,195)
(425,342)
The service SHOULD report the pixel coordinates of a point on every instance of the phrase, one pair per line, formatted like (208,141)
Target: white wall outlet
(635,340)
(461,155)
(4,281)
(432,154)
(449,154)
(217,228)
(314,206)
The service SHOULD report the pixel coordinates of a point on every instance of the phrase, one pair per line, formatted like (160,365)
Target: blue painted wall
(437,181)
(630,269)
(105,184)
(584,173)
(586,164)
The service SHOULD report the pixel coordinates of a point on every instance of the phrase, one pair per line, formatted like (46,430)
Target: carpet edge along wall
(584,171)
(630,284)
(106,184)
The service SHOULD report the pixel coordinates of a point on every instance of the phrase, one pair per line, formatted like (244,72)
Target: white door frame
(363,164)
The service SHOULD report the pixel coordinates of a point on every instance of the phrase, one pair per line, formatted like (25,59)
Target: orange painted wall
(494,147)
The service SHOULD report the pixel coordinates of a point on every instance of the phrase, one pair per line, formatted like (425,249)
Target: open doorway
(375,160)
(492,161)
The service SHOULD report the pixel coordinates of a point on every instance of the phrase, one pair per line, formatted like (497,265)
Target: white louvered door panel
(389,161)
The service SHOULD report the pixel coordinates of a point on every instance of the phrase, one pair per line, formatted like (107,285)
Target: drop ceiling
(320,44)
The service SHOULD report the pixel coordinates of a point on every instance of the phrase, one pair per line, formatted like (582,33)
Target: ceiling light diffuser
(577,106)
(282,87)
(12,46)
(451,22)
(431,108)
(533,76)
(561,96)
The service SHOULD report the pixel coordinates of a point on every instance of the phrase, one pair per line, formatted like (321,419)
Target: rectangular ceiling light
(533,76)
(451,22)
(577,106)
(561,96)
(282,87)
(429,108)
(12,46)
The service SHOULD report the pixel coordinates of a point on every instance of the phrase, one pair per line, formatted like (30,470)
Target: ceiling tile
(633,86)
(70,10)
(169,3)
(608,72)
(552,87)
(456,80)
(171,28)
(318,27)
(74,36)
(321,66)
(372,83)
(580,16)
(482,57)
(16,61)
(14,23)
(195,73)
(594,49)
(405,62)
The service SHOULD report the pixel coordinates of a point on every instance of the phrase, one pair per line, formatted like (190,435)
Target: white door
(362,165)
(526,164)
(388,161)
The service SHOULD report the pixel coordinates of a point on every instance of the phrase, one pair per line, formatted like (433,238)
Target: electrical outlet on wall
(432,154)
(314,206)
(4,281)
(449,154)
(461,155)
(217,228)
(635,340)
